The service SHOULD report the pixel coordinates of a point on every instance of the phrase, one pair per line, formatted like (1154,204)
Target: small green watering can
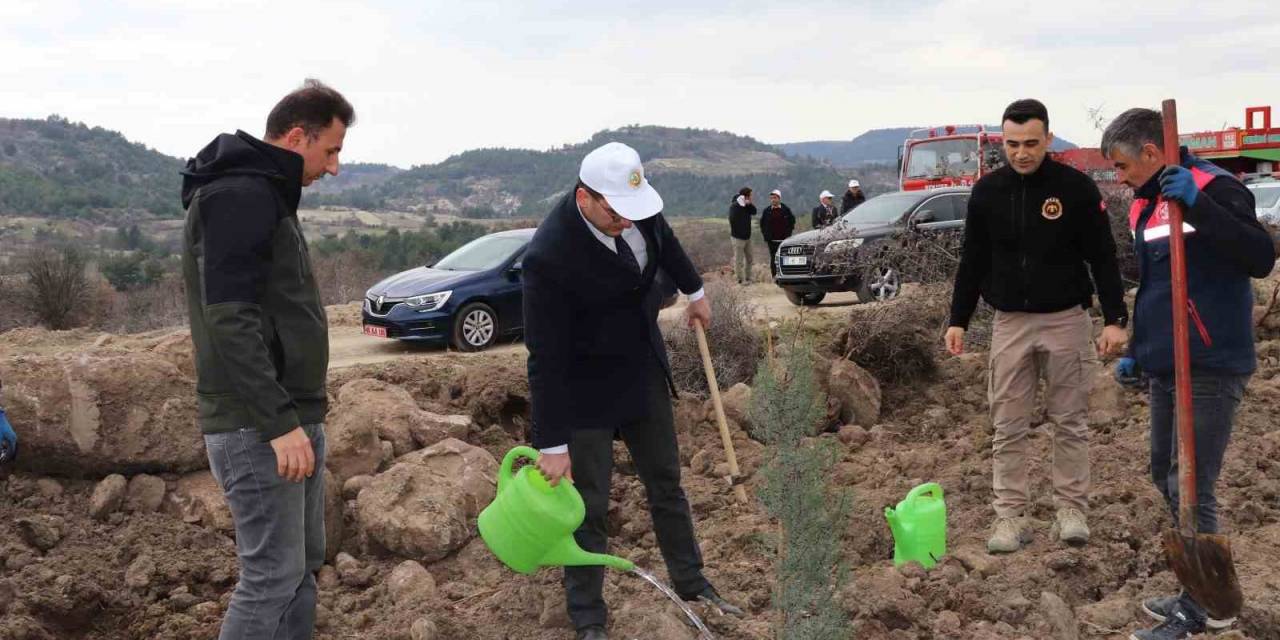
(530,523)
(919,526)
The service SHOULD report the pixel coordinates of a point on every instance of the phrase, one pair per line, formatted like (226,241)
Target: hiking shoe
(1009,536)
(1159,609)
(1071,527)
(1178,625)
(721,605)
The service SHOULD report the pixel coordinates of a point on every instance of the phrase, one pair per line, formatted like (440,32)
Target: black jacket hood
(243,154)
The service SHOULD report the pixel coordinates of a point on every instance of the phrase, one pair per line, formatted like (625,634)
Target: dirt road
(349,347)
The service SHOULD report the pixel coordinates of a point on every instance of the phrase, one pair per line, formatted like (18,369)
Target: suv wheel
(475,327)
(880,284)
(804,299)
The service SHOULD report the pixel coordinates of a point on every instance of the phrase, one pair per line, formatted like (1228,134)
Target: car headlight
(429,302)
(843,245)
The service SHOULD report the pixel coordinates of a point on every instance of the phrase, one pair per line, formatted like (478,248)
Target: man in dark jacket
(1225,247)
(825,213)
(261,351)
(852,198)
(776,224)
(741,211)
(1035,231)
(598,365)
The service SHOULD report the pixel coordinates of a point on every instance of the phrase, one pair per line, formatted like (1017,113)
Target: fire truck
(957,155)
(1251,153)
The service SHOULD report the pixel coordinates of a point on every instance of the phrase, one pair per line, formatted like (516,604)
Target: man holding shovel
(1225,246)
(598,365)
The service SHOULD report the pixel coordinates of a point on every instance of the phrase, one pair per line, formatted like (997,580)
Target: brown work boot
(1009,536)
(1071,527)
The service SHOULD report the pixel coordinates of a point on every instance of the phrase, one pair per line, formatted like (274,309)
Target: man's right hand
(555,466)
(295,459)
(955,340)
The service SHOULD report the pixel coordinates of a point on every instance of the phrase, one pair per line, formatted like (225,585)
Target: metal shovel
(1202,561)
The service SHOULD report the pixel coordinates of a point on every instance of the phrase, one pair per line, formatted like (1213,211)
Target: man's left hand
(1177,183)
(1112,340)
(699,311)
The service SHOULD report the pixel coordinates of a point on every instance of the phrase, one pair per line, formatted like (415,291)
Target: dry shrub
(343,276)
(732,339)
(900,341)
(56,285)
(160,305)
(707,244)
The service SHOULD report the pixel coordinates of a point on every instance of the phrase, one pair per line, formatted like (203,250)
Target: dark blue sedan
(468,299)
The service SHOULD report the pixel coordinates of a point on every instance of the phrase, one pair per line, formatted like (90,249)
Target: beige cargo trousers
(1026,347)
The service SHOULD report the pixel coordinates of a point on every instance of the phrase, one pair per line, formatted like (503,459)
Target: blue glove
(1127,372)
(1176,183)
(8,440)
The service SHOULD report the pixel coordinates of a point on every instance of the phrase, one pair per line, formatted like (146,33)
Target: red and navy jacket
(1225,247)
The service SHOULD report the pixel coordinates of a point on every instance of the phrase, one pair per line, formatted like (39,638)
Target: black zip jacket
(740,219)
(850,201)
(1030,243)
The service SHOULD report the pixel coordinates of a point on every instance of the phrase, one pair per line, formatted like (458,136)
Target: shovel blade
(1204,567)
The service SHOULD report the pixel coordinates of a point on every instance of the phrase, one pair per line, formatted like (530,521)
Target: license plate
(795,261)
(377,332)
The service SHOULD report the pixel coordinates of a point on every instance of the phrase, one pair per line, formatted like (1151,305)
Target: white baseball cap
(854,183)
(775,192)
(614,171)
(825,194)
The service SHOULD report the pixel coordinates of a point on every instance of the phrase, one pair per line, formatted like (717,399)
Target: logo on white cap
(614,171)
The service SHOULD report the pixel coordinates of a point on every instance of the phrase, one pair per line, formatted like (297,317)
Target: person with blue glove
(8,438)
(1225,247)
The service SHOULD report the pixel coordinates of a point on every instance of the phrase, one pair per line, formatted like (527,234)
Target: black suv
(849,255)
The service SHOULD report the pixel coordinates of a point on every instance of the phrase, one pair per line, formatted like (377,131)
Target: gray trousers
(279,536)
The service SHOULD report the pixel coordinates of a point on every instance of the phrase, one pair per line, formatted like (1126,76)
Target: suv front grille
(381,306)
(794,250)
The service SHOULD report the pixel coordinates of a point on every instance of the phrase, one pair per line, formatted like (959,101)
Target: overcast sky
(430,79)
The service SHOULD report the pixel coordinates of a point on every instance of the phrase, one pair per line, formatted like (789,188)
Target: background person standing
(852,198)
(741,211)
(776,224)
(825,213)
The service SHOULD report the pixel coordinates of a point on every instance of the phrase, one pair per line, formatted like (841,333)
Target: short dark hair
(1133,129)
(1020,111)
(745,191)
(591,192)
(313,106)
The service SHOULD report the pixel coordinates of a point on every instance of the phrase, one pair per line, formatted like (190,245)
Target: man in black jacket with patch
(1035,231)
(598,365)
(262,352)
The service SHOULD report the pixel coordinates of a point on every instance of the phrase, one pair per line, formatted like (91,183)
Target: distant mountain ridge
(874,146)
(697,171)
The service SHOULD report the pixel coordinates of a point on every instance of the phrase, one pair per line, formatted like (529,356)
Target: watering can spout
(895,524)
(567,553)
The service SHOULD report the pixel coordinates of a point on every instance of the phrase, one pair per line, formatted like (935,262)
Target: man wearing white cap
(825,213)
(598,365)
(852,198)
(776,224)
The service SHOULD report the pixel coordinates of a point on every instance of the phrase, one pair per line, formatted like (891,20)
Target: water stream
(703,632)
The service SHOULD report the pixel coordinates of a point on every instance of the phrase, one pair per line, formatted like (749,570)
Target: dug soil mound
(152,558)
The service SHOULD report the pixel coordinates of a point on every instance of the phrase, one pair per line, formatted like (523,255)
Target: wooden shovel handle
(709,369)
(1181,338)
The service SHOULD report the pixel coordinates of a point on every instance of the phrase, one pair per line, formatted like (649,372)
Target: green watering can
(530,523)
(919,526)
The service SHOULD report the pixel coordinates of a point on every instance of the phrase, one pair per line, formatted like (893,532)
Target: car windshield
(883,209)
(1266,196)
(482,254)
(937,158)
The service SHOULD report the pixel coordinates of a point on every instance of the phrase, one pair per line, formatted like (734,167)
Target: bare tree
(56,284)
